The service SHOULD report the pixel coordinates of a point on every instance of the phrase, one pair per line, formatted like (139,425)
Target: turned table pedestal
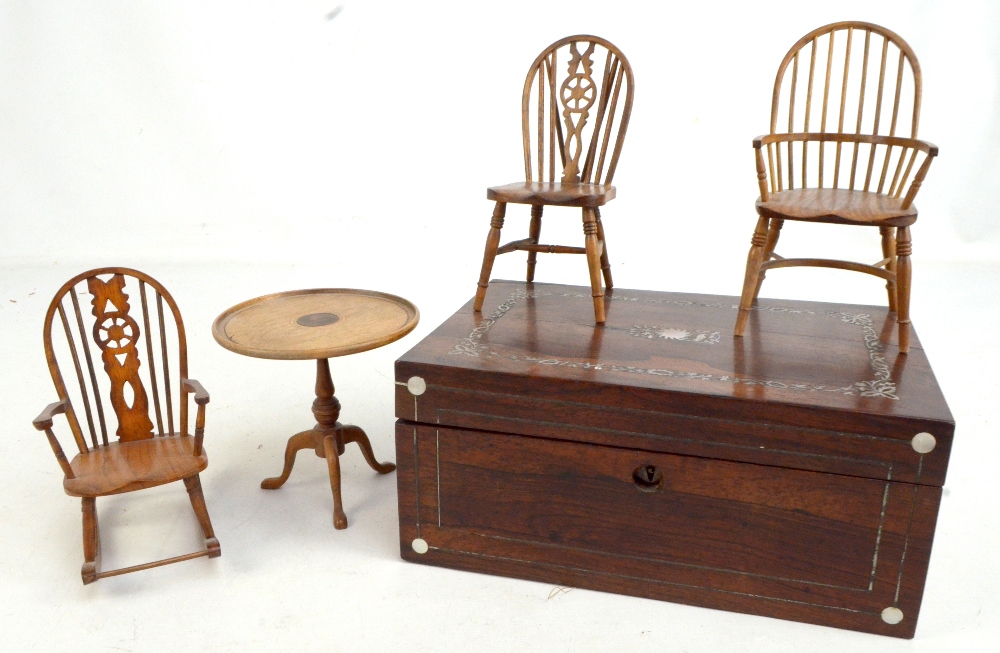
(318,324)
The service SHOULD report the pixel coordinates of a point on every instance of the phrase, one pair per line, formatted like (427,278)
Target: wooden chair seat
(837,206)
(128,466)
(552,194)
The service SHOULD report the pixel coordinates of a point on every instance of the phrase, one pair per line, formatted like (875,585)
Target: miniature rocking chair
(570,118)
(145,454)
(857,75)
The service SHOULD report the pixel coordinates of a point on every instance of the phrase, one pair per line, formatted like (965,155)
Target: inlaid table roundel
(318,325)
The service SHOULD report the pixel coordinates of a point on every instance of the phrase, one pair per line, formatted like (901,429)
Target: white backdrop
(261,129)
(232,149)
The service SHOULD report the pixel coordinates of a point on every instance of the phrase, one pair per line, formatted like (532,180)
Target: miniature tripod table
(318,325)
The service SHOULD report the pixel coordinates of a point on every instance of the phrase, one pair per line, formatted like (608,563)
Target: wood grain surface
(820,548)
(278,326)
(813,386)
(837,205)
(552,194)
(659,456)
(128,466)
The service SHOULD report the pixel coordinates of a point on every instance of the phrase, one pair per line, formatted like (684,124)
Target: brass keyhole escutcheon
(648,478)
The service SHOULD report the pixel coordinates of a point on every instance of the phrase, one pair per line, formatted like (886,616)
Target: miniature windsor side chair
(573,125)
(857,77)
(146,454)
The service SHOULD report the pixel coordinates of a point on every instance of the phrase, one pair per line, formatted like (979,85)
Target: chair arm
(200,394)
(914,144)
(833,137)
(761,169)
(44,420)
(44,423)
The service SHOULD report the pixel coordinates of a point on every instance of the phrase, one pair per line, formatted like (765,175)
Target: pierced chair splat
(839,162)
(574,115)
(147,453)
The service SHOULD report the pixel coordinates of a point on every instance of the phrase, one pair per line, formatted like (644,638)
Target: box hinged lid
(811,385)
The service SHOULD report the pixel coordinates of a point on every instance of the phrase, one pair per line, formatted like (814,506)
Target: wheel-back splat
(572,122)
(577,93)
(116,333)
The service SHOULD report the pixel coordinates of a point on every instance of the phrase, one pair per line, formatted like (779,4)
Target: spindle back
(851,78)
(108,333)
(571,104)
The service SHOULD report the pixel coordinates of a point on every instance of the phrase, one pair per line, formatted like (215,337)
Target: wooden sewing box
(794,473)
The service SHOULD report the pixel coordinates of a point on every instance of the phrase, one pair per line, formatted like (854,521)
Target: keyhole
(648,478)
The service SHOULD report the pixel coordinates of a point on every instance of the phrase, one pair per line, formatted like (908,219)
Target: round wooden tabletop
(314,324)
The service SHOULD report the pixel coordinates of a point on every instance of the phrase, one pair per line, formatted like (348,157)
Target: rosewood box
(795,472)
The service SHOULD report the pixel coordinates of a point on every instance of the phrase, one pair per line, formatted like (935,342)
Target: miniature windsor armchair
(573,127)
(861,76)
(146,454)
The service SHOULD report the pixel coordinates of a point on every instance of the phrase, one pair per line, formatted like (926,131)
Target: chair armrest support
(200,394)
(201,398)
(919,179)
(44,423)
(761,169)
(44,419)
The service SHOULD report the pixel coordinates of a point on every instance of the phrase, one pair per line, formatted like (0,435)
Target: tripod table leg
(333,462)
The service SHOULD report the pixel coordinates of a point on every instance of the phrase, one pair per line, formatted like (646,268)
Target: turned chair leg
(773,232)
(91,541)
(754,259)
(594,262)
(492,244)
(534,232)
(605,264)
(193,485)
(889,252)
(903,275)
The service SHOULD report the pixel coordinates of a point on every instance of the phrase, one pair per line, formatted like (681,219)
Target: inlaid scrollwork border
(881,386)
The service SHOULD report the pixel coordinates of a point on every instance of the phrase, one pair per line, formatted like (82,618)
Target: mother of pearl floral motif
(675,333)
(881,386)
